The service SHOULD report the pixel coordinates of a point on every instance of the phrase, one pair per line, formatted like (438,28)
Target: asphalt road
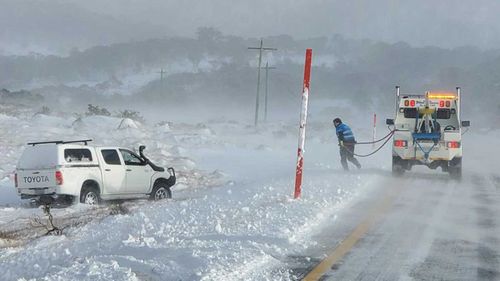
(423,226)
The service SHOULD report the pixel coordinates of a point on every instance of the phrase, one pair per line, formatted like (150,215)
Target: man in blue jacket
(346,144)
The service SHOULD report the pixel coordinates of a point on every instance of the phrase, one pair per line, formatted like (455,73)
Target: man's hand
(341,143)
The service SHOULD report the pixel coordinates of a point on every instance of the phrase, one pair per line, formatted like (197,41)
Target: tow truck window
(77,155)
(443,113)
(410,112)
(131,158)
(111,157)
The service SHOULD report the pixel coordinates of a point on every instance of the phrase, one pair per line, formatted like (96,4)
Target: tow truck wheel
(397,166)
(455,168)
(161,191)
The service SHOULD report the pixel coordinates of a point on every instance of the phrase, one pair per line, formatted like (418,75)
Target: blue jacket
(344,133)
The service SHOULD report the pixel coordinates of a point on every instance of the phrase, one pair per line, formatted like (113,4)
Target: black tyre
(397,166)
(161,190)
(90,195)
(455,168)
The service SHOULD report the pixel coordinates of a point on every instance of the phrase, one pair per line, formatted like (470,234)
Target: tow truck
(427,131)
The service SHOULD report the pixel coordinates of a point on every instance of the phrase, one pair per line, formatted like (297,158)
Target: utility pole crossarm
(161,73)
(264,49)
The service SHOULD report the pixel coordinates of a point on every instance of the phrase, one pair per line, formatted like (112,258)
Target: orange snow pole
(303,121)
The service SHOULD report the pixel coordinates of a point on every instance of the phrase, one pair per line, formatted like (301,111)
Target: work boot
(345,166)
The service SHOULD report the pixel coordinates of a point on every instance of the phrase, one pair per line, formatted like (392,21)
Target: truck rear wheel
(397,166)
(455,168)
(90,195)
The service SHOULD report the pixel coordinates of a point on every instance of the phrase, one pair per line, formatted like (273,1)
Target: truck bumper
(27,193)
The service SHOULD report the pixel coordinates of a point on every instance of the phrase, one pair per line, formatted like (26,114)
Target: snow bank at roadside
(242,230)
(228,233)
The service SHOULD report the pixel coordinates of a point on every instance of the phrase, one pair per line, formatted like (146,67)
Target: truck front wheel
(161,191)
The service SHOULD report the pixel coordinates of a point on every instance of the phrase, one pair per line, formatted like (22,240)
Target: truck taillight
(59,178)
(409,103)
(453,144)
(15,180)
(400,143)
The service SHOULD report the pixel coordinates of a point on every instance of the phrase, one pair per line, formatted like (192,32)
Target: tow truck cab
(428,131)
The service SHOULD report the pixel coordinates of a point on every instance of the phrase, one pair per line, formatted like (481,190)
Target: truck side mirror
(389,121)
(465,123)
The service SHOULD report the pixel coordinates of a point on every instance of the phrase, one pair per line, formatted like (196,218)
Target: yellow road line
(351,240)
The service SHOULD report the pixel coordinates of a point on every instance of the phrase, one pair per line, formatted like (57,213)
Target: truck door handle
(129,170)
(107,170)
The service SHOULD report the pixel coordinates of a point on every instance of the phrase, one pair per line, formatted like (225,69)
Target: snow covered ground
(232,216)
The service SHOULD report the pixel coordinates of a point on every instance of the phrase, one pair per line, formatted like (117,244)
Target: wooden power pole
(267,88)
(260,48)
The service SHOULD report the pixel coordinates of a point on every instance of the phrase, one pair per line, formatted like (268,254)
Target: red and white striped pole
(303,121)
(374,128)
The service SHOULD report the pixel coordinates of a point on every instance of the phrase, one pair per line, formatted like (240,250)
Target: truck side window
(131,159)
(111,157)
(77,155)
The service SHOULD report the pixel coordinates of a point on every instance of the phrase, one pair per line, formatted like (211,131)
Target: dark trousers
(347,153)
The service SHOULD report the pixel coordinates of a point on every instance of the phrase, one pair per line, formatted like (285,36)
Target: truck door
(138,172)
(113,172)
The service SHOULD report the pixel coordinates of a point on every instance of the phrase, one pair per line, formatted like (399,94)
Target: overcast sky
(444,23)
(420,22)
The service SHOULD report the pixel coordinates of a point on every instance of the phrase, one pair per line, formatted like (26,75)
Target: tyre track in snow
(23,229)
(487,210)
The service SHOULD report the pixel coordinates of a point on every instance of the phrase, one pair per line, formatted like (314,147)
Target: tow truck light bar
(442,96)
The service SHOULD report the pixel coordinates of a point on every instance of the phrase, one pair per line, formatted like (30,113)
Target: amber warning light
(442,96)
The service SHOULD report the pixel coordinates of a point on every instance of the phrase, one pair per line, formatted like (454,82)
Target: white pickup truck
(73,169)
